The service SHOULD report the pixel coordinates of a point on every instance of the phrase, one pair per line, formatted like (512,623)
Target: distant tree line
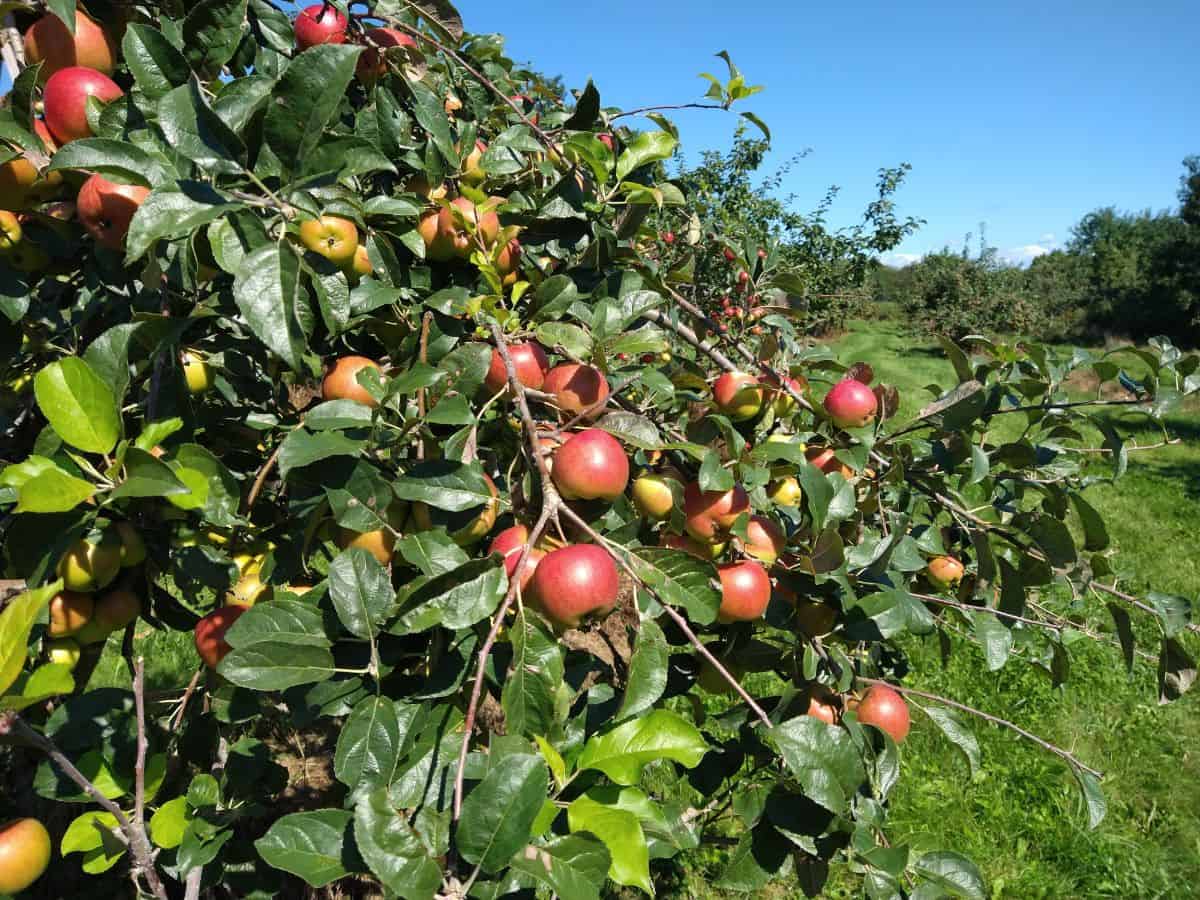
(1131,275)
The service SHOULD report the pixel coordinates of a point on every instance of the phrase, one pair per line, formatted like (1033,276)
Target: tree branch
(1028,735)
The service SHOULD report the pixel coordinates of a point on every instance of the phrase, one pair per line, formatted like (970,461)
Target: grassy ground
(1019,818)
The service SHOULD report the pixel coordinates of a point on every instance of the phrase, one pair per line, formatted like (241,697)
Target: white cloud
(899,260)
(1022,256)
(1047,239)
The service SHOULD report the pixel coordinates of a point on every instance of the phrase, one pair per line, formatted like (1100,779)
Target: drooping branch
(996,720)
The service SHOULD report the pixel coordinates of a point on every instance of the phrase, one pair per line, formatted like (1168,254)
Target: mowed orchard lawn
(1020,818)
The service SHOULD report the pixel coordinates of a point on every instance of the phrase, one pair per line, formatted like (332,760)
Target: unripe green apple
(63,652)
(88,566)
(133,548)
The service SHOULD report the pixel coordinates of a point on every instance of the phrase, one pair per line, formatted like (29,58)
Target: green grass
(1020,817)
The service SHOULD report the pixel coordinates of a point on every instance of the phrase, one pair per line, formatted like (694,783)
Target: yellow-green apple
(472,172)
(332,237)
(10,231)
(197,373)
(738,395)
(700,549)
(88,566)
(63,652)
(785,492)
(652,496)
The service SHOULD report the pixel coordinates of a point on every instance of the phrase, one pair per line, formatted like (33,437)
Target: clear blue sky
(1024,115)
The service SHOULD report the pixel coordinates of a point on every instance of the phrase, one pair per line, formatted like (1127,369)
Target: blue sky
(1022,115)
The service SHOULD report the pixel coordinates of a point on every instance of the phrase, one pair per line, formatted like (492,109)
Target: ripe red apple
(332,237)
(652,496)
(850,404)
(606,139)
(591,465)
(65,100)
(24,854)
(445,239)
(49,42)
(944,572)
(320,23)
(822,704)
(708,514)
(825,460)
(745,591)
(372,65)
(105,209)
(886,710)
(529,361)
(764,540)
(210,634)
(739,395)
(509,544)
(575,581)
(576,386)
(69,611)
(341,380)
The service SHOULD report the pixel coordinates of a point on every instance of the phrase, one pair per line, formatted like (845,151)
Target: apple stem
(996,720)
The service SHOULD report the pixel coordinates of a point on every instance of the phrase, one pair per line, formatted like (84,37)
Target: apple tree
(357,354)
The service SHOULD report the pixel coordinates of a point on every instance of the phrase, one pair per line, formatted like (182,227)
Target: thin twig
(261,478)
(670,106)
(1028,735)
(139,768)
(423,357)
(177,717)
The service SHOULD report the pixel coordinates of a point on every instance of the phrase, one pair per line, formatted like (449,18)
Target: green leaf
(572,339)
(1095,532)
(46,681)
(267,290)
(305,100)
(622,753)
(79,406)
(995,639)
(368,745)
(647,670)
(361,591)
(94,834)
(310,845)
(433,552)
(197,133)
(681,580)
(573,867)
(147,476)
(336,414)
(156,65)
(956,731)
(537,671)
(391,848)
(499,812)
(455,599)
(169,213)
(952,873)
(1093,796)
(169,822)
(126,162)
(276,666)
(211,33)
(52,490)
(622,833)
(647,147)
(280,621)
(220,494)
(818,493)
(454,487)
(823,758)
(302,448)
(631,429)
(1054,537)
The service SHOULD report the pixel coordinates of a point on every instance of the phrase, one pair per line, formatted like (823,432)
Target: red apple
(576,386)
(210,634)
(320,23)
(575,581)
(591,465)
(822,704)
(764,540)
(106,209)
(886,710)
(49,42)
(65,100)
(341,380)
(708,514)
(372,65)
(739,395)
(944,572)
(509,544)
(606,139)
(530,363)
(825,460)
(745,591)
(850,404)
